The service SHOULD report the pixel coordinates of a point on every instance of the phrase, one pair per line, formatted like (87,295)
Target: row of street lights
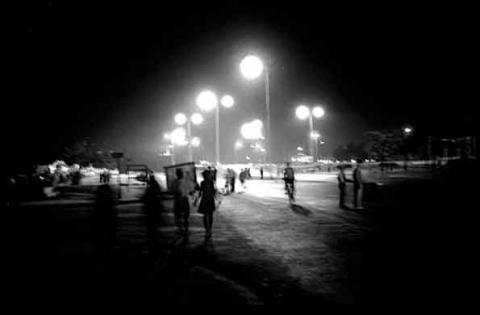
(251,68)
(303,112)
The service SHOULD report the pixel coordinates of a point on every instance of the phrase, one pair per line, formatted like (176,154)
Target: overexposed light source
(407,130)
(196,118)
(195,141)
(178,135)
(318,112)
(314,135)
(238,144)
(180,119)
(207,100)
(302,112)
(252,130)
(251,67)
(227,101)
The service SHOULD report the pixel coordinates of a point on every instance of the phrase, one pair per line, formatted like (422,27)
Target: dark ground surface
(417,247)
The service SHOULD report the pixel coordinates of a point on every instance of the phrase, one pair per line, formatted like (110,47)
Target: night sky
(117,74)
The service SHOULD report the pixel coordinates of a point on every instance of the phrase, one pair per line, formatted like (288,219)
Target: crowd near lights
(207,100)
(251,67)
(227,101)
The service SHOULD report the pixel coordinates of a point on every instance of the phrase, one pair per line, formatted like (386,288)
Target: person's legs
(186,215)
(355,196)
(342,196)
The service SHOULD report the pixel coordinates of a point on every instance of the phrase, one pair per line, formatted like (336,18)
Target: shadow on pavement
(301,210)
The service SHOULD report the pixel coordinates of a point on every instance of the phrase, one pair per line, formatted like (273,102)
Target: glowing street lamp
(251,68)
(303,112)
(207,100)
(227,101)
(181,119)
(252,130)
(195,142)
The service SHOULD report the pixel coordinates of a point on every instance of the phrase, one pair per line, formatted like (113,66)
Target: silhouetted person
(358,186)
(182,188)
(261,172)
(104,222)
(342,185)
(243,175)
(233,178)
(207,202)
(153,208)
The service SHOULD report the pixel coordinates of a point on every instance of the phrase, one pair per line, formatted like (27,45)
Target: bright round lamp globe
(257,124)
(207,100)
(302,112)
(178,136)
(180,119)
(318,112)
(196,118)
(195,141)
(227,101)
(251,67)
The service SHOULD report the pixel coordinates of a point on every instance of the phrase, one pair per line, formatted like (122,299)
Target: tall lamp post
(196,119)
(207,100)
(303,112)
(251,68)
(407,132)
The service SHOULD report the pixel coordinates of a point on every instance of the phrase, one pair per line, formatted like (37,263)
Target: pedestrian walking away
(358,186)
(208,193)
(182,189)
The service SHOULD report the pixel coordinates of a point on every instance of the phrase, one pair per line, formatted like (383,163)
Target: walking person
(182,189)
(358,186)
(242,177)
(153,208)
(207,196)
(233,178)
(261,172)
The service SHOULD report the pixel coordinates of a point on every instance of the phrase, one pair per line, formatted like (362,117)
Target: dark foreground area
(420,248)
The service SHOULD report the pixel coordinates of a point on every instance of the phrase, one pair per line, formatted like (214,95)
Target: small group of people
(105,176)
(230,178)
(357,181)
(205,196)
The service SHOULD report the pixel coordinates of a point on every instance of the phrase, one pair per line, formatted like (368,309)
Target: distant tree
(349,151)
(383,145)
(86,153)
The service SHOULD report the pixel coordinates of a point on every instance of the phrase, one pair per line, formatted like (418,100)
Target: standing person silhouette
(153,208)
(208,192)
(358,185)
(182,188)
(342,185)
